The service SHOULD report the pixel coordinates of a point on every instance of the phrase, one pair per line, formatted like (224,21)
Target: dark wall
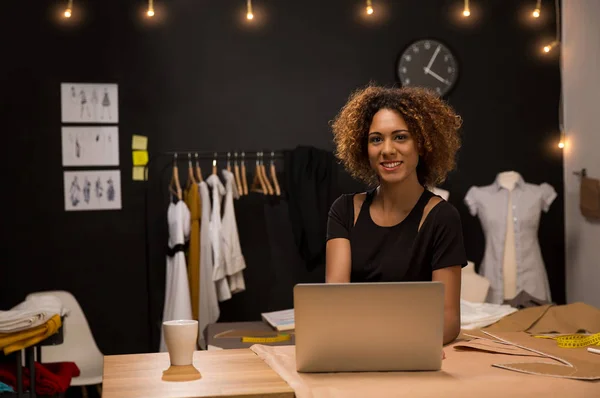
(199,77)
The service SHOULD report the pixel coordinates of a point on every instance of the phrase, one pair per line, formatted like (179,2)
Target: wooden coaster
(181,373)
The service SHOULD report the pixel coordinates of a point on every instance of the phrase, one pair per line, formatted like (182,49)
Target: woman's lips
(391,166)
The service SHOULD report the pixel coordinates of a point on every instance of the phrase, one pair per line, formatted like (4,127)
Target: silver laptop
(360,327)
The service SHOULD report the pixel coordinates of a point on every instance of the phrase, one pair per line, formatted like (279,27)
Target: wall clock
(428,63)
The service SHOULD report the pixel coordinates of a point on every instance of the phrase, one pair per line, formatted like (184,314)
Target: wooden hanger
(274,175)
(191,179)
(244,180)
(214,167)
(236,169)
(174,186)
(198,170)
(263,171)
(258,179)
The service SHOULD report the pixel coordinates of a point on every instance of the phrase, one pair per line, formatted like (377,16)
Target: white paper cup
(180,338)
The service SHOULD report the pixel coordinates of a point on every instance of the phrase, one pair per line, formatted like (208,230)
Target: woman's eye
(375,139)
(401,137)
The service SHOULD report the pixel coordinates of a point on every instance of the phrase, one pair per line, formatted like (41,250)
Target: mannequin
(474,287)
(509,211)
(440,192)
(508,179)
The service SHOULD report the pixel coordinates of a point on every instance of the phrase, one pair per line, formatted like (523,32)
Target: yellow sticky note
(139,143)
(139,173)
(140,158)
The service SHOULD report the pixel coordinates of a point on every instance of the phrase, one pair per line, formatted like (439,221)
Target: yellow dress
(193,201)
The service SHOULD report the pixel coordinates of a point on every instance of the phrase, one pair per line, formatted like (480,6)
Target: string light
(69,10)
(538,9)
(249,14)
(467,10)
(369,7)
(561,143)
(150,11)
(549,47)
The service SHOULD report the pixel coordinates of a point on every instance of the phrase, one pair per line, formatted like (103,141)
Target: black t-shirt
(402,252)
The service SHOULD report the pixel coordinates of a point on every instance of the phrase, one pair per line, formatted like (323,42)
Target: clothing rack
(188,156)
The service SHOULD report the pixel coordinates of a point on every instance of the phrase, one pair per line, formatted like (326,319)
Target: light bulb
(150,12)
(536,13)
(369,10)
(68,13)
(561,145)
(466,12)
(250,15)
(547,49)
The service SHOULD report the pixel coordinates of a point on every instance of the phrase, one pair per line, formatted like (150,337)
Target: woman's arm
(338,261)
(451,278)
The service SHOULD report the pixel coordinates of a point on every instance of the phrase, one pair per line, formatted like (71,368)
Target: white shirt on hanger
(219,274)
(178,304)
(232,252)
(208,306)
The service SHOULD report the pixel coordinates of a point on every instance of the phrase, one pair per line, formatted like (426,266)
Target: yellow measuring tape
(262,340)
(575,340)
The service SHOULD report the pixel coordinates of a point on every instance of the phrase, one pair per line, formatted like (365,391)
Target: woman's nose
(388,147)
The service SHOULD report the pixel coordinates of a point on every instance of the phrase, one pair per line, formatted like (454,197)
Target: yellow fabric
(193,201)
(11,342)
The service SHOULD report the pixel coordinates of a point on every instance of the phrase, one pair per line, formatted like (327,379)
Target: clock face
(429,64)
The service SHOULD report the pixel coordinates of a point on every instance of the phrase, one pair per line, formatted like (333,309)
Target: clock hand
(435,53)
(432,73)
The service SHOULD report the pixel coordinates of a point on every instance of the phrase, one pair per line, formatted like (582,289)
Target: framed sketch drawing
(89,103)
(90,146)
(92,190)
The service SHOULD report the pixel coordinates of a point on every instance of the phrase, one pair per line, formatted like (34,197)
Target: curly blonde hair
(432,122)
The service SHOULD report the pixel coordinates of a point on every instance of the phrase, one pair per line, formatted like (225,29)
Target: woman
(403,141)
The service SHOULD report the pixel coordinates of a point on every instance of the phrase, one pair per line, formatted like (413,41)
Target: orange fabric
(194,202)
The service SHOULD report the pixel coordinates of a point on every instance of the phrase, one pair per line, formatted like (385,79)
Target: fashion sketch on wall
(89,103)
(92,190)
(90,146)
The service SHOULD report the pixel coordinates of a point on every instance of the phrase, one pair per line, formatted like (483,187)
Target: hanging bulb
(69,10)
(369,7)
(249,14)
(150,11)
(467,10)
(538,9)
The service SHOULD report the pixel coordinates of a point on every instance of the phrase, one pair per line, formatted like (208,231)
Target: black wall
(199,77)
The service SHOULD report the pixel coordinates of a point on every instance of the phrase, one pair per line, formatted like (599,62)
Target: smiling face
(391,148)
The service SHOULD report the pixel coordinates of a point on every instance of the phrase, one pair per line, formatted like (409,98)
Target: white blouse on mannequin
(510,221)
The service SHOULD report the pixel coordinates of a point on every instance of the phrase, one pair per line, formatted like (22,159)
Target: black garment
(311,187)
(401,252)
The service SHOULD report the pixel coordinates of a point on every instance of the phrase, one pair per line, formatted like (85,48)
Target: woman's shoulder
(347,200)
(443,212)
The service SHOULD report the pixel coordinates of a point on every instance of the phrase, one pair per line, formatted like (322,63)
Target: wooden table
(224,373)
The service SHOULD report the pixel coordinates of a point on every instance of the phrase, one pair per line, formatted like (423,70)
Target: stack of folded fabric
(478,315)
(50,378)
(30,322)
(34,311)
